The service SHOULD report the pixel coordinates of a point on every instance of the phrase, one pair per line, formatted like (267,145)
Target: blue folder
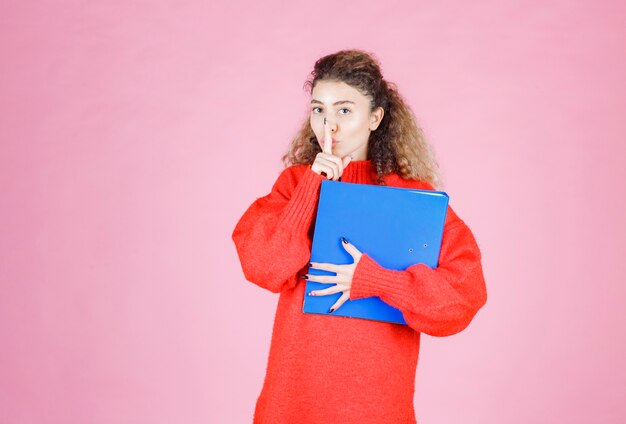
(397,227)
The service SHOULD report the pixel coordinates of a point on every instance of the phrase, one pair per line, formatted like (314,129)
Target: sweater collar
(359,171)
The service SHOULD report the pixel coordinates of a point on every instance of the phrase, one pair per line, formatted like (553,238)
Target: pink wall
(134,134)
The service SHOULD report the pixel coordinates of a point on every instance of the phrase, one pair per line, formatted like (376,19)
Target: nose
(332,124)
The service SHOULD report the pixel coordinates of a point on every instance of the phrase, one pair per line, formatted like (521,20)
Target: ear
(376,117)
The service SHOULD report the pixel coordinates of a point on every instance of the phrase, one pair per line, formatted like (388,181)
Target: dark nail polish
(343,239)
(305,277)
(331,310)
(339,179)
(310,265)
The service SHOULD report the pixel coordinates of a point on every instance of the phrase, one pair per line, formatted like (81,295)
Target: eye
(346,109)
(314,109)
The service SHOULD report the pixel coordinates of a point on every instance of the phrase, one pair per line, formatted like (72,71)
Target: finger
(326,170)
(327,267)
(330,163)
(324,279)
(333,161)
(337,162)
(331,290)
(328,138)
(345,296)
(350,248)
(347,160)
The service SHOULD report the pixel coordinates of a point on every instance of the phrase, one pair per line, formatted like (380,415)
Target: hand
(343,279)
(327,163)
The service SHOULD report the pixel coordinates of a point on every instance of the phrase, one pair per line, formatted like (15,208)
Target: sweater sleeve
(437,301)
(272,236)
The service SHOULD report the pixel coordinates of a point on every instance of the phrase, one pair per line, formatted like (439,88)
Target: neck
(359,171)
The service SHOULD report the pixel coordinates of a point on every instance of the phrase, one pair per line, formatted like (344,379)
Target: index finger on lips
(328,138)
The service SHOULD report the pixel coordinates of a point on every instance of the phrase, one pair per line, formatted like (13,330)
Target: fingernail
(339,179)
(310,264)
(311,294)
(343,239)
(331,310)
(306,277)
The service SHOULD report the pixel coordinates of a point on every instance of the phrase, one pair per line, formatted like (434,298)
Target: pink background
(134,135)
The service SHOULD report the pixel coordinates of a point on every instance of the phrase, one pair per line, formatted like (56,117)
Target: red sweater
(324,369)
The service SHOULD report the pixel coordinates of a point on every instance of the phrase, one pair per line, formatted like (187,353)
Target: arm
(271,237)
(440,301)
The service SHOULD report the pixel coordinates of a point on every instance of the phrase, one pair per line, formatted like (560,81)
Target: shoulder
(289,178)
(394,180)
(291,174)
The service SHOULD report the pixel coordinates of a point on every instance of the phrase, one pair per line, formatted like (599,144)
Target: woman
(350,370)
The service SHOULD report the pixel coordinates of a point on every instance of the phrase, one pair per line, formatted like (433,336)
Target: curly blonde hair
(396,146)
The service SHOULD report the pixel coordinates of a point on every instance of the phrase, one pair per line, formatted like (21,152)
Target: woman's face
(349,117)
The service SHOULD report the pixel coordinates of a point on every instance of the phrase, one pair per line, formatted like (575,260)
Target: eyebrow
(340,102)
